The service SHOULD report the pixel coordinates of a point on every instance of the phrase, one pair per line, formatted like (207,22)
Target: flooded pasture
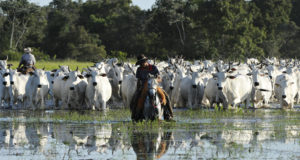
(56,134)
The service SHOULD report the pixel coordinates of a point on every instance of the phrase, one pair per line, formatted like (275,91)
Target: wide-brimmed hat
(27,50)
(141,59)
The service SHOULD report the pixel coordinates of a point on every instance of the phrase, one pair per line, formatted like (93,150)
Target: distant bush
(12,55)
(40,55)
(118,54)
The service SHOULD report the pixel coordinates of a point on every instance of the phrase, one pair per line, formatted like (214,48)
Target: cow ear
(54,70)
(88,75)
(103,75)
(249,74)
(65,78)
(233,69)
(52,74)
(214,75)
(284,72)
(231,77)
(80,76)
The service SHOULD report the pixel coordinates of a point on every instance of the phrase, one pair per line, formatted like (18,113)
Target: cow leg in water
(103,104)
(298,96)
(42,99)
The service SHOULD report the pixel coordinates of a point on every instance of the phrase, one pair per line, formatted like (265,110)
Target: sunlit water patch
(55,134)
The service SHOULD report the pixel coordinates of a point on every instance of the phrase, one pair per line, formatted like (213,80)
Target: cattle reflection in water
(150,145)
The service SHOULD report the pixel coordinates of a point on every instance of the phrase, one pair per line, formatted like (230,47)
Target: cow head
(169,78)
(286,86)
(73,78)
(118,73)
(5,76)
(221,77)
(93,76)
(39,78)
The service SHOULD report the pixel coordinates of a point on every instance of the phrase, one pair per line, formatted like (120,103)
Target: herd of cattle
(188,84)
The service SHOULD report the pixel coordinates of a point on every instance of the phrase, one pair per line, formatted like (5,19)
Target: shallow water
(54,134)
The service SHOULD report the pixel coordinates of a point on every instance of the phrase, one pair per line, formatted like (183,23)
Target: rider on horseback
(27,61)
(142,73)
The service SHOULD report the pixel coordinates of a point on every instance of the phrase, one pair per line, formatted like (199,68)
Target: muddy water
(247,134)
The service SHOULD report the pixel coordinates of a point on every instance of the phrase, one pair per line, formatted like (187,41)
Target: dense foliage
(95,29)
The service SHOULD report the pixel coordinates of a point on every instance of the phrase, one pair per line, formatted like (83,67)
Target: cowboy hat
(27,50)
(141,59)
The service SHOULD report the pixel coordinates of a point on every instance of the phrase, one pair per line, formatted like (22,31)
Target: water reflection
(234,138)
(150,145)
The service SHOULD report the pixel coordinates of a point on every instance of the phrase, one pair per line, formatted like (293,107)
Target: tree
(19,15)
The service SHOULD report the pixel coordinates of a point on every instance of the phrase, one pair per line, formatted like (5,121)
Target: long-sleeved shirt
(27,59)
(143,72)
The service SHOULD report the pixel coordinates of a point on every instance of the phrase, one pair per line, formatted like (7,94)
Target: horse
(152,106)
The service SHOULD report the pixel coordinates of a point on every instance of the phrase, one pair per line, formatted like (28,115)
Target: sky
(143,4)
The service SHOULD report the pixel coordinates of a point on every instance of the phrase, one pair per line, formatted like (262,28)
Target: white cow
(4,86)
(286,90)
(234,89)
(210,92)
(199,82)
(37,88)
(17,91)
(73,91)
(116,75)
(168,80)
(263,89)
(98,90)
(128,89)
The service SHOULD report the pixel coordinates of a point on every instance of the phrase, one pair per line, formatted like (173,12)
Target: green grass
(49,65)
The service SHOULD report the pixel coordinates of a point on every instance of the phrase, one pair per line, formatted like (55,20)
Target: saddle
(26,69)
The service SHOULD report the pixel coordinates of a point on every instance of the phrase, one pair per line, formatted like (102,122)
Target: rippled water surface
(54,134)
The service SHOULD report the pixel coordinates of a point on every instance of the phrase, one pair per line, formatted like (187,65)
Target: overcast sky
(143,4)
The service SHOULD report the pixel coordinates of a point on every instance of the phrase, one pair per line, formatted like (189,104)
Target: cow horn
(217,69)
(77,68)
(191,69)
(202,69)
(131,69)
(228,67)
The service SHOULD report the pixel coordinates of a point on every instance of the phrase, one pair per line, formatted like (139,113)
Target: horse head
(152,105)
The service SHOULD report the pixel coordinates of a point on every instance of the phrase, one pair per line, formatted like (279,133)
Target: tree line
(96,29)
